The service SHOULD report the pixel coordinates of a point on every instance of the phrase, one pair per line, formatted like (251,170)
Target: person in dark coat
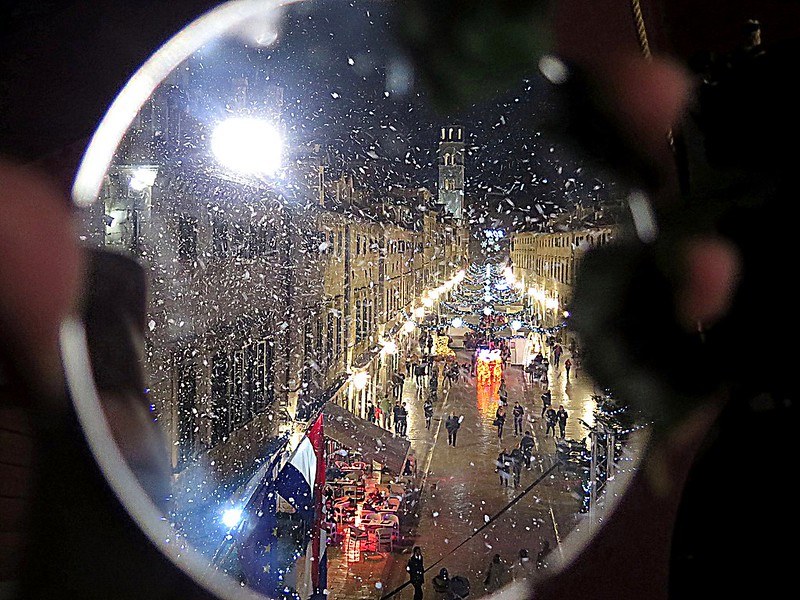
(396,418)
(518,413)
(550,417)
(503,468)
(526,444)
(500,420)
(452,425)
(428,409)
(416,572)
(547,400)
(562,415)
(403,415)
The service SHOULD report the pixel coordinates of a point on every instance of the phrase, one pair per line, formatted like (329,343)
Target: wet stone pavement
(460,490)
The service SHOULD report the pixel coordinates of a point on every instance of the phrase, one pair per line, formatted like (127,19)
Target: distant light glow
(553,69)
(487,311)
(143,178)
(360,380)
(232,517)
(419,312)
(409,326)
(247,145)
(389,347)
(516,324)
(457,322)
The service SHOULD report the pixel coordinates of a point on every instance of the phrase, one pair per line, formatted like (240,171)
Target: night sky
(347,86)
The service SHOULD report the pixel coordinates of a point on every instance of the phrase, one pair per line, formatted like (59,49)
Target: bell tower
(451,170)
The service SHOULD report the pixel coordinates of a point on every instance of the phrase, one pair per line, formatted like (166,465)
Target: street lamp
(248,145)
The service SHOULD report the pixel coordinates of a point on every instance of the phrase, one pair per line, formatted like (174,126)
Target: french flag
(301,483)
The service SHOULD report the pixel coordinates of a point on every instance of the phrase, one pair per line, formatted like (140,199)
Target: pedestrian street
(461,490)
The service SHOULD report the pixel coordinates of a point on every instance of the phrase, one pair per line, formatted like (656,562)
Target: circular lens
(332,258)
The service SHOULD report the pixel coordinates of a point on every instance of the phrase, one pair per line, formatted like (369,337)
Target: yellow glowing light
(409,326)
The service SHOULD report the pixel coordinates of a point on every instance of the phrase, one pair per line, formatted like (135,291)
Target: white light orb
(247,145)
(360,380)
(232,517)
(457,322)
(419,312)
(516,324)
(409,326)
(487,311)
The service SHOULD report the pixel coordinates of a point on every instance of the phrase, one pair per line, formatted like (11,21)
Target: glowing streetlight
(232,517)
(143,178)
(247,145)
(457,322)
(516,324)
(360,380)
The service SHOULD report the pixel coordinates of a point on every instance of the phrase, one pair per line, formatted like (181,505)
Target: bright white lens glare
(142,178)
(457,322)
(389,348)
(247,145)
(487,311)
(409,326)
(360,380)
(515,324)
(232,517)
(419,312)
(427,302)
(555,70)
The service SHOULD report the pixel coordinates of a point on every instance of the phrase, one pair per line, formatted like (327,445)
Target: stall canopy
(373,442)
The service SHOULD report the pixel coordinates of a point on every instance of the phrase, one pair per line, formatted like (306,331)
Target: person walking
(500,420)
(396,418)
(567,367)
(547,400)
(527,444)
(530,372)
(399,383)
(428,410)
(496,574)
(403,419)
(503,392)
(452,425)
(550,418)
(557,350)
(518,412)
(416,572)
(371,412)
(562,416)
(419,373)
(503,468)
